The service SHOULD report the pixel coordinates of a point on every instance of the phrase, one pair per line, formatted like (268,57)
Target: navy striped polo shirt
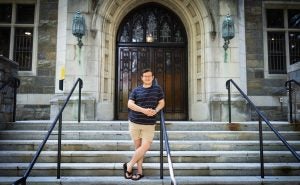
(146,98)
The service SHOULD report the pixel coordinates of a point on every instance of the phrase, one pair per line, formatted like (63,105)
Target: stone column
(218,71)
(78,63)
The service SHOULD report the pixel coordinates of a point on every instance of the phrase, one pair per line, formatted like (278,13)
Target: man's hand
(146,111)
(149,112)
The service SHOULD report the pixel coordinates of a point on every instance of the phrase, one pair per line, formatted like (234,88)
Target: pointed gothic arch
(152,36)
(198,25)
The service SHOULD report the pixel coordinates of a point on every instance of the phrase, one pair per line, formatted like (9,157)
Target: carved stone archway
(152,36)
(199,26)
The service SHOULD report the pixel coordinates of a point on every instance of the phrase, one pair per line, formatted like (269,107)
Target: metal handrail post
(161,137)
(161,149)
(229,101)
(290,102)
(261,148)
(79,103)
(59,146)
(15,84)
(288,86)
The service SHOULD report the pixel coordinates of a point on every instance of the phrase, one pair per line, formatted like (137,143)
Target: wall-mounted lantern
(227,32)
(149,38)
(78,27)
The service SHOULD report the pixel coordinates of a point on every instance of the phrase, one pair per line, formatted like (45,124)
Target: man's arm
(131,105)
(134,107)
(160,105)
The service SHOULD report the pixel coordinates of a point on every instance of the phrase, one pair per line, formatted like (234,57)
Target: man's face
(147,78)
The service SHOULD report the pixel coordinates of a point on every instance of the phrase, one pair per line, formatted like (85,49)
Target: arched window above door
(151,23)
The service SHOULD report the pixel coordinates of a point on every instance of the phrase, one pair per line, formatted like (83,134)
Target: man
(144,103)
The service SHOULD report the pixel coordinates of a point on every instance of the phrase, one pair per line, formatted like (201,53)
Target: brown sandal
(127,174)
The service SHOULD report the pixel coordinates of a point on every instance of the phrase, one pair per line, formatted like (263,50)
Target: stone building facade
(207,71)
(268,89)
(38,85)
(97,61)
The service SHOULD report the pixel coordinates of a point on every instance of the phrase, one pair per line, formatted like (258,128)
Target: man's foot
(127,174)
(136,177)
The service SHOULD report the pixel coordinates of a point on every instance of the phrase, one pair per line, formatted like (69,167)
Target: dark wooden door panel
(131,60)
(169,66)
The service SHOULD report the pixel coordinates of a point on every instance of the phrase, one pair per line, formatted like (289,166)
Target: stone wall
(8,69)
(44,80)
(258,84)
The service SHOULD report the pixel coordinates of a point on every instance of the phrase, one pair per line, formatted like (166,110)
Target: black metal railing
(22,181)
(288,86)
(164,136)
(260,118)
(13,83)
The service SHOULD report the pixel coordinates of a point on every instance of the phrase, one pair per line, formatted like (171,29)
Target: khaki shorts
(138,131)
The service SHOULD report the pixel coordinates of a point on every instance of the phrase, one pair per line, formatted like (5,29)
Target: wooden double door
(169,65)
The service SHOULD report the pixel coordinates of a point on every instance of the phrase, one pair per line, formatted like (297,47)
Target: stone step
(152,169)
(202,152)
(151,156)
(155,180)
(124,135)
(171,125)
(115,145)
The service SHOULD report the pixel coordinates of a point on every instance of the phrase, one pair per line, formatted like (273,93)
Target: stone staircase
(202,153)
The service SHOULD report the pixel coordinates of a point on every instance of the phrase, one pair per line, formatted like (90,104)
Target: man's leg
(139,154)
(138,144)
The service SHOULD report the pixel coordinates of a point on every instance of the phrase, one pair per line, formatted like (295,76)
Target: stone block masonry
(8,69)
(41,85)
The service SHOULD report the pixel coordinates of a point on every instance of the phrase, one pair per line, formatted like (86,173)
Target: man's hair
(146,71)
